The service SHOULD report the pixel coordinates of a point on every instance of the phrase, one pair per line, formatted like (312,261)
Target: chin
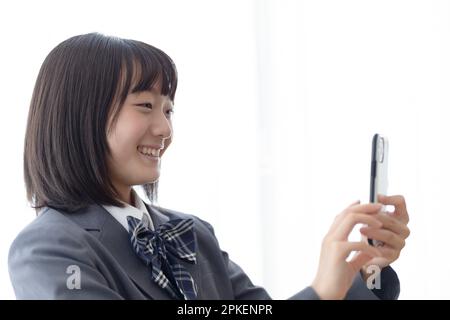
(152,180)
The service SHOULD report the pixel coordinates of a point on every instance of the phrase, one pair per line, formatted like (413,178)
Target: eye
(147,105)
(170,112)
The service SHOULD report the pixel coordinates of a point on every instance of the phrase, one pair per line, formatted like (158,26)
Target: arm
(389,289)
(244,289)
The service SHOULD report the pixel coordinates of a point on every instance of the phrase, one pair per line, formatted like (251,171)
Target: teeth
(149,151)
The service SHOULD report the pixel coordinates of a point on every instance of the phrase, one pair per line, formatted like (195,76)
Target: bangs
(143,67)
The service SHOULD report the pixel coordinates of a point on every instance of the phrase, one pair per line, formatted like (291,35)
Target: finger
(348,247)
(342,230)
(388,237)
(389,253)
(399,203)
(354,203)
(367,207)
(393,224)
(359,260)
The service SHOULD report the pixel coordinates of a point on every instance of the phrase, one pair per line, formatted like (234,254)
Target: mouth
(150,153)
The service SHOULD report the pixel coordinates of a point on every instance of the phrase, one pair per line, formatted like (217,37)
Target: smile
(149,151)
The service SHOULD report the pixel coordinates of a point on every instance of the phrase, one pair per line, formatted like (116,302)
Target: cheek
(125,139)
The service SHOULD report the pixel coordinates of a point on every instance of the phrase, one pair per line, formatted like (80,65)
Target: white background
(276,107)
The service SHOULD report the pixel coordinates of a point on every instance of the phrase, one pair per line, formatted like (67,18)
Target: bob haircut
(81,86)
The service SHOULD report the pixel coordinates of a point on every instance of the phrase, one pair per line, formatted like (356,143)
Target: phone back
(378,173)
(379,167)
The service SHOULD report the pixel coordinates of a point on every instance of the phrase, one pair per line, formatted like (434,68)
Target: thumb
(354,203)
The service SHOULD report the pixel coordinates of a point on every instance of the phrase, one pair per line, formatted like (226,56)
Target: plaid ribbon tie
(160,249)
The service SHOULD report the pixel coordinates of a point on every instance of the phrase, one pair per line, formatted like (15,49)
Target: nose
(161,125)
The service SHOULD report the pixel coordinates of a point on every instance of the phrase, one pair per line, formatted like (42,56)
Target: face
(140,137)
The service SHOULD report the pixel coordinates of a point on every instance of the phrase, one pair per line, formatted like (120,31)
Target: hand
(335,274)
(393,233)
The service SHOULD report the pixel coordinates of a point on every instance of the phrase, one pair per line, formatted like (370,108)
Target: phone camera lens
(381,150)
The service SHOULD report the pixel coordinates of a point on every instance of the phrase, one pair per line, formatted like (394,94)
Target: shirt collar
(139,209)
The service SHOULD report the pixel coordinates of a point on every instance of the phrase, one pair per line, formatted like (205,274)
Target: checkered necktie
(160,249)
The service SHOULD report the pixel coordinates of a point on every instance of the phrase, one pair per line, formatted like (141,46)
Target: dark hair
(82,84)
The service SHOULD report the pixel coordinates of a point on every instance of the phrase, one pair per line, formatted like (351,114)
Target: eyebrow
(169,102)
(140,93)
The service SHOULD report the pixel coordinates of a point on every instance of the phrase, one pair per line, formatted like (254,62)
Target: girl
(99,123)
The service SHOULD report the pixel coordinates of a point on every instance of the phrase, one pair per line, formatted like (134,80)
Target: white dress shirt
(139,209)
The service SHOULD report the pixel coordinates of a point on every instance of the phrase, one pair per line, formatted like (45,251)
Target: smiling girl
(99,123)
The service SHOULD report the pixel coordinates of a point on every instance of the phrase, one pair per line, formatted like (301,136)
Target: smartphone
(378,173)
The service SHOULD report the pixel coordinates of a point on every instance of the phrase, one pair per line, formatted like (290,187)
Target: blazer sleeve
(389,288)
(39,265)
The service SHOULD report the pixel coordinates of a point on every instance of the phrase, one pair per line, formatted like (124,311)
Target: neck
(126,195)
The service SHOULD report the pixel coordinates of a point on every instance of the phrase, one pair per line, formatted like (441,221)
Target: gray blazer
(42,258)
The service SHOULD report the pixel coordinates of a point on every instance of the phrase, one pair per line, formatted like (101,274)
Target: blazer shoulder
(48,229)
(49,219)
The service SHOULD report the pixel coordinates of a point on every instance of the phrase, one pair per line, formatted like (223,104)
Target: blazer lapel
(115,238)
